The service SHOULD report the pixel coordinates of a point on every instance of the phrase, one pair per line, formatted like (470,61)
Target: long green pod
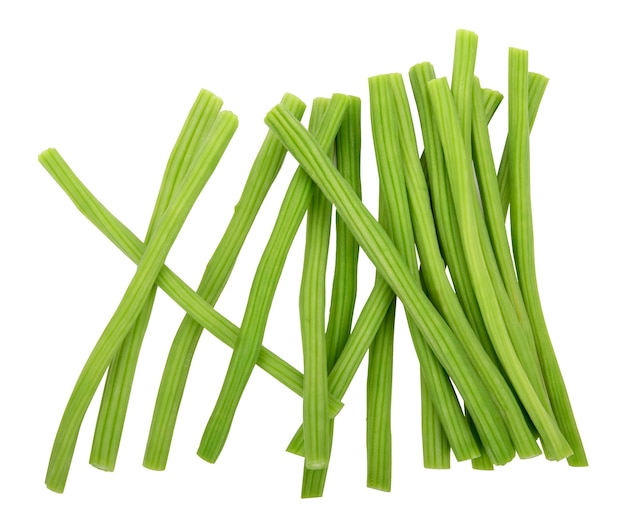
(492,100)
(343,296)
(460,173)
(439,288)
(380,377)
(391,173)
(262,174)
(134,299)
(523,249)
(465,49)
(378,404)
(344,289)
(263,288)
(316,418)
(119,379)
(435,444)
(168,281)
(536,88)
(388,260)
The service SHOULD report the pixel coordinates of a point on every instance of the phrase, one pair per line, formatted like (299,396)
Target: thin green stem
(316,418)
(435,444)
(465,49)
(263,288)
(482,462)
(536,87)
(485,172)
(492,100)
(134,299)
(262,174)
(378,429)
(523,249)
(380,378)
(343,297)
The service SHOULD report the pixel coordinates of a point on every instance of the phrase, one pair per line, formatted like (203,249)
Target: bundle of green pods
(491,387)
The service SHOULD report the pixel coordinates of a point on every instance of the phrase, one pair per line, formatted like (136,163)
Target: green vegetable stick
(536,87)
(465,48)
(492,100)
(461,178)
(133,300)
(389,262)
(262,175)
(523,248)
(379,382)
(435,444)
(439,288)
(316,418)
(171,284)
(343,297)
(119,380)
(264,285)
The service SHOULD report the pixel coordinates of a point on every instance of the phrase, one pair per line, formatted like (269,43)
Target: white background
(109,85)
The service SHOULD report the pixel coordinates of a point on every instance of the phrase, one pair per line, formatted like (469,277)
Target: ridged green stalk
(536,88)
(523,249)
(343,297)
(378,404)
(316,417)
